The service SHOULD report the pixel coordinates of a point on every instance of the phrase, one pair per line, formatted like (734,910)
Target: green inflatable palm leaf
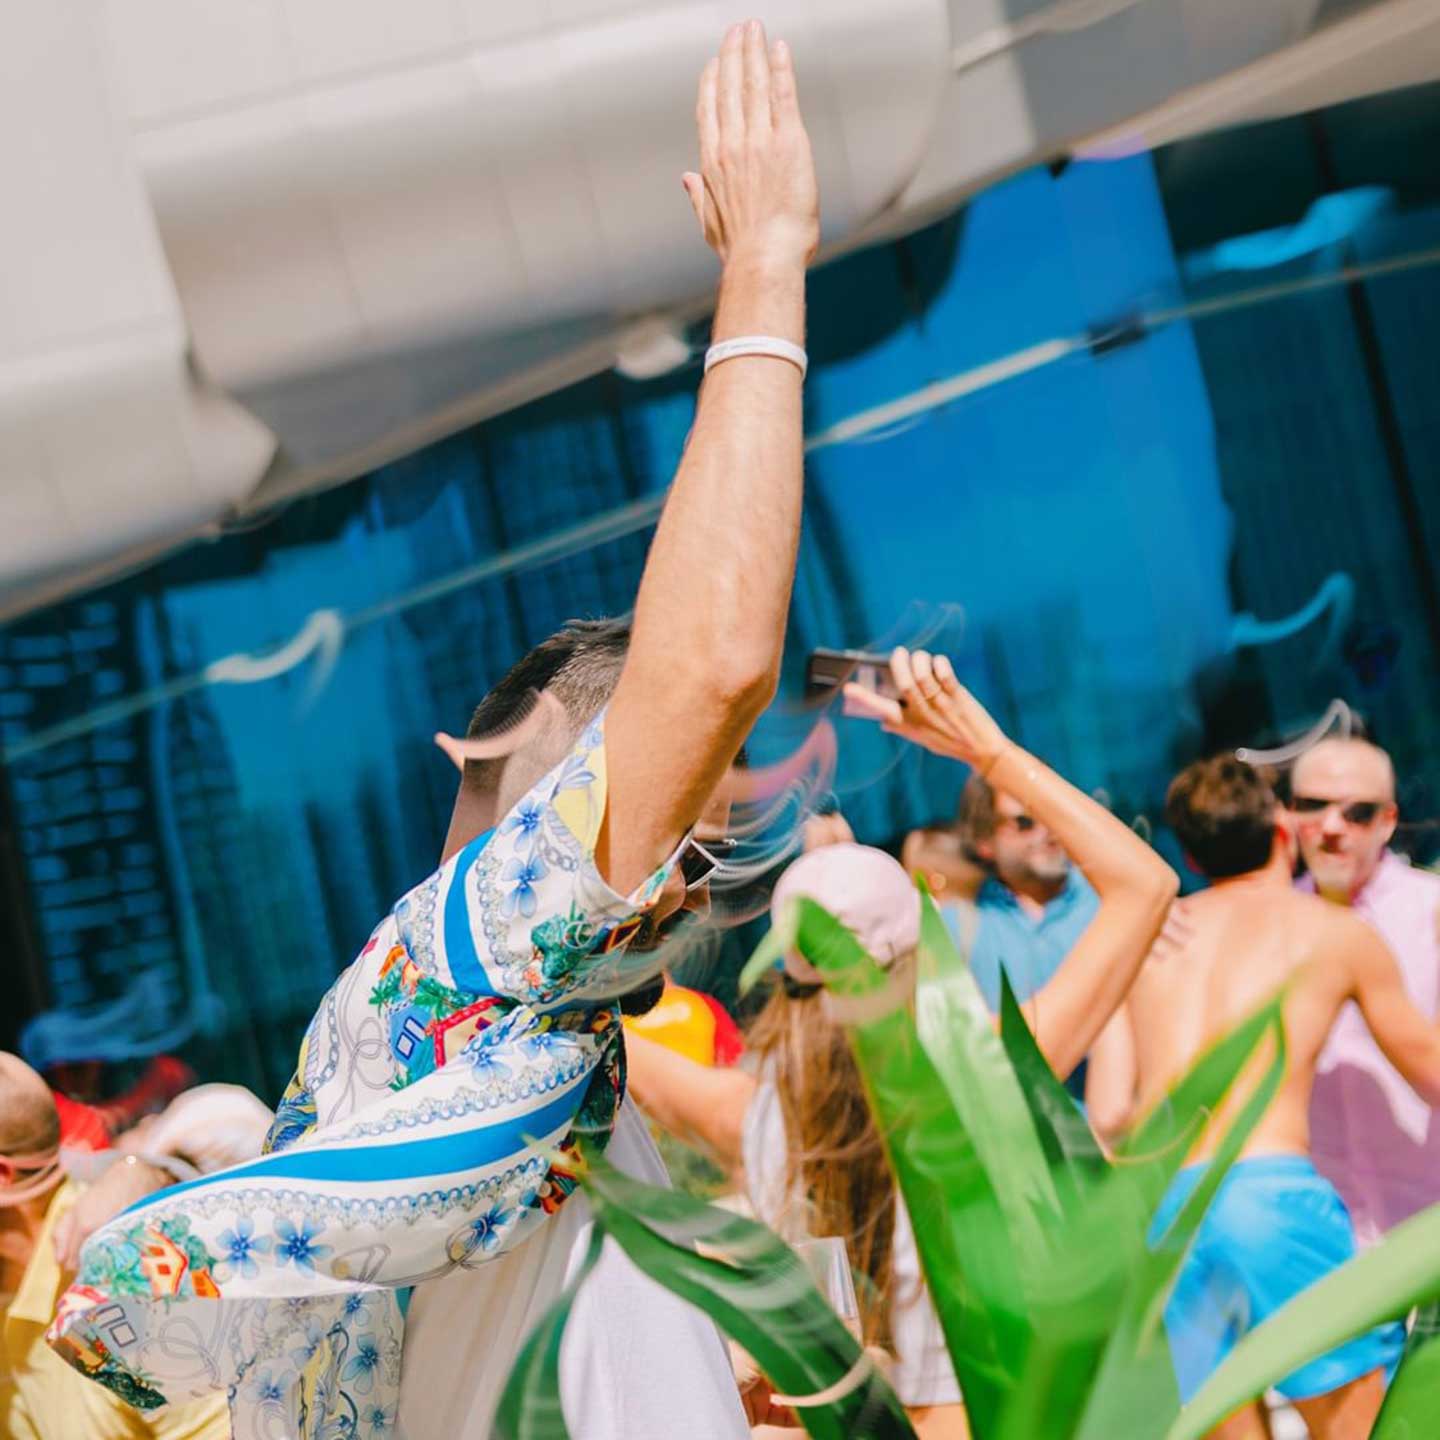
(1136,1372)
(1069,1145)
(958,1034)
(1413,1399)
(951,1194)
(755,1288)
(1100,1361)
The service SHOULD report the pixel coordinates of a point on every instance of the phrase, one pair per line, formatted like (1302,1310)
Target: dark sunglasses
(1357,812)
(702,858)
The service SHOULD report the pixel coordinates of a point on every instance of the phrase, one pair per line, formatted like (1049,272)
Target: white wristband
(770,345)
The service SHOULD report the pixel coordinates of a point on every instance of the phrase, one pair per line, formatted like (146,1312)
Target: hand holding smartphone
(827,671)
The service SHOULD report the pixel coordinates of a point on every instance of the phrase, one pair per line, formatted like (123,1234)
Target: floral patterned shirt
(439,1085)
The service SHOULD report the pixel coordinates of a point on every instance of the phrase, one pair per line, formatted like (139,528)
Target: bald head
(1351,764)
(29,1122)
(1343,809)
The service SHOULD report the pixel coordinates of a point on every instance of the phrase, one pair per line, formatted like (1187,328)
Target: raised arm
(710,616)
(1409,1041)
(698,1104)
(1111,1077)
(1134,884)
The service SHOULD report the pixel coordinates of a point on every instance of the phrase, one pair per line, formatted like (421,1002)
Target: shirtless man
(1275,1226)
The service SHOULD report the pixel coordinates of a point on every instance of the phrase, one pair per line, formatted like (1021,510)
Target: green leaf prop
(747,1280)
(530,1407)
(1413,1399)
(1100,1364)
(958,1034)
(770,951)
(756,1289)
(1069,1144)
(1400,1272)
(1042,1311)
(1136,1372)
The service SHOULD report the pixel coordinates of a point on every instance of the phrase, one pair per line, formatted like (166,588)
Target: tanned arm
(1134,884)
(1111,1077)
(710,615)
(699,1104)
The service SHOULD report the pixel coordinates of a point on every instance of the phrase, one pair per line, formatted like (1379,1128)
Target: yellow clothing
(42,1398)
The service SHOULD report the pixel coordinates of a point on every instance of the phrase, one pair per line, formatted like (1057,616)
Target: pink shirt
(1370,1133)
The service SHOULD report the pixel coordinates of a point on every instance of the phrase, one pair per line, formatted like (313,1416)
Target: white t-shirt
(923,1374)
(636,1362)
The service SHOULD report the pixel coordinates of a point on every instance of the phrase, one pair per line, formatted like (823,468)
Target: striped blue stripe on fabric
(406,1160)
(466,971)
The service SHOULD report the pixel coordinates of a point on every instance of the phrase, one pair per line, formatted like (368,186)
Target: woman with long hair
(794,1125)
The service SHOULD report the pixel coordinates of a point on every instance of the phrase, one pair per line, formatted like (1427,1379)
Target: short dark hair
(579,665)
(975,819)
(1222,811)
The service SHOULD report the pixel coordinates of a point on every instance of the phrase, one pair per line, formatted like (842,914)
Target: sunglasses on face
(702,858)
(1357,812)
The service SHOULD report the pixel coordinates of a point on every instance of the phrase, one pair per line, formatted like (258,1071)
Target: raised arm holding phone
(1134,884)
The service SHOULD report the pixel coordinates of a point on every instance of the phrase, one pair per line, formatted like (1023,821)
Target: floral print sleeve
(478,1018)
(522,912)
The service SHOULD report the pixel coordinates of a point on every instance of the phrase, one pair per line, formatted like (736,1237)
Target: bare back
(1248,939)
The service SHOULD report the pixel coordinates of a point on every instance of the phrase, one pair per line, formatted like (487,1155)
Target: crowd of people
(372,1263)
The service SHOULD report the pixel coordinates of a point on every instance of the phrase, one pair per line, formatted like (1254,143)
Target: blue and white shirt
(439,1085)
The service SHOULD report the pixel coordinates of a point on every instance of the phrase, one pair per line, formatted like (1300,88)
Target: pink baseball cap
(861,887)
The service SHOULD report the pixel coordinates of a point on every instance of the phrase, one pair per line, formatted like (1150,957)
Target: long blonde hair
(835,1158)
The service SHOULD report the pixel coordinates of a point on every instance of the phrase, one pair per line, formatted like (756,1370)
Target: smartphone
(827,670)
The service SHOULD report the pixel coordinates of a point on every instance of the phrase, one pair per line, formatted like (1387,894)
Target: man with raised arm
(477,1036)
(1276,1226)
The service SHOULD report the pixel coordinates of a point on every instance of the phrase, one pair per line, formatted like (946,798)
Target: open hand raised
(755,192)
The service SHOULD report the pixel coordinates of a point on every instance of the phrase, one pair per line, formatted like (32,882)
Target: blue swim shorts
(1274,1229)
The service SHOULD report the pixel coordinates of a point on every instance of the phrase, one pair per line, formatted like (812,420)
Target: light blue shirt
(1030,949)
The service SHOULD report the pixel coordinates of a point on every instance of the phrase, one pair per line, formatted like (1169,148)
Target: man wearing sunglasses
(378,1270)
(1032,904)
(1277,1225)
(1371,1135)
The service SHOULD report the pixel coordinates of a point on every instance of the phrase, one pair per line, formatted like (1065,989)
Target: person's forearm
(1419,1062)
(1135,887)
(695,1103)
(1110,1078)
(1070,1010)
(723,560)
(1116,861)
(710,616)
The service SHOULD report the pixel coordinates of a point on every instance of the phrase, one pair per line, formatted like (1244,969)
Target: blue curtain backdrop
(1326,420)
(192,877)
